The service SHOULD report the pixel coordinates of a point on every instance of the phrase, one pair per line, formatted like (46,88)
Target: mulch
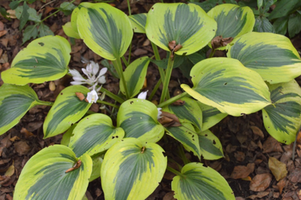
(255,165)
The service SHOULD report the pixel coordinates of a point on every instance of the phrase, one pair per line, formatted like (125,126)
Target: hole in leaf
(225,83)
(41,43)
(213,141)
(131,102)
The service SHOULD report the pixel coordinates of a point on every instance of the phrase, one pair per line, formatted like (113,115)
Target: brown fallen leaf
(169,196)
(281,184)
(14,138)
(295,175)
(277,168)
(260,182)
(3,32)
(257,131)
(240,171)
(271,145)
(11,14)
(259,195)
(22,148)
(10,171)
(27,133)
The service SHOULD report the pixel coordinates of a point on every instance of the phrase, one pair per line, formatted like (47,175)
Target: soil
(252,159)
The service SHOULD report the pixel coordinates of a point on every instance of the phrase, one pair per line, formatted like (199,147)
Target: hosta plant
(257,74)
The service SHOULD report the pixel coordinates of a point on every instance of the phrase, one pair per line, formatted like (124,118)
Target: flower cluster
(94,78)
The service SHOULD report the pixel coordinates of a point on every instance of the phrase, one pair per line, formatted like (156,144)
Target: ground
(255,165)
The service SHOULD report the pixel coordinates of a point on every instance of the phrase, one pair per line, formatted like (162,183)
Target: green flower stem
(155,90)
(156,52)
(182,155)
(44,103)
(157,57)
(130,51)
(174,171)
(125,61)
(212,53)
(161,71)
(171,100)
(167,79)
(118,66)
(107,103)
(129,7)
(111,95)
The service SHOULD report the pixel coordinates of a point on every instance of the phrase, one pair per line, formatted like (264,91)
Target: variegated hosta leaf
(211,116)
(228,86)
(138,118)
(189,112)
(15,101)
(210,146)
(186,24)
(66,110)
(201,183)
(271,55)
(282,119)
(135,75)
(232,20)
(94,134)
(74,20)
(104,29)
(97,162)
(69,31)
(138,22)
(132,169)
(67,135)
(187,136)
(44,175)
(44,59)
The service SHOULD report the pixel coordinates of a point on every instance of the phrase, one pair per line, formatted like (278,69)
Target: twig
(46,5)
(294,146)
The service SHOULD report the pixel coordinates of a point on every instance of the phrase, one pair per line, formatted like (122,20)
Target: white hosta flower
(159,113)
(94,75)
(92,96)
(143,95)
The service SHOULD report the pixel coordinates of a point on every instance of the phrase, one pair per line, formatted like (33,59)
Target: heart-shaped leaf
(138,22)
(66,110)
(210,146)
(132,169)
(69,31)
(134,76)
(211,116)
(187,136)
(44,176)
(282,119)
(186,24)
(44,59)
(228,86)
(232,20)
(94,134)
(138,118)
(199,182)
(104,29)
(15,101)
(271,55)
